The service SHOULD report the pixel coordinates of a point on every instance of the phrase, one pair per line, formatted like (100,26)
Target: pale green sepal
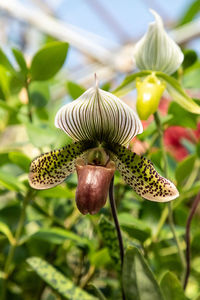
(178,94)
(99,115)
(140,174)
(57,280)
(156,50)
(52,168)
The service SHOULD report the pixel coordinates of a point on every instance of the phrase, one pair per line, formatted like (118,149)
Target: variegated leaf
(99,115)
(140,174)
(52,168)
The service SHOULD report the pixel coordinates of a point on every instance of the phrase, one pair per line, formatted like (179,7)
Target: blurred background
(101,33)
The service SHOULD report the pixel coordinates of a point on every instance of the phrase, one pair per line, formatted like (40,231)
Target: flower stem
(119,234)
(11,252)
(189,220)
(165,169)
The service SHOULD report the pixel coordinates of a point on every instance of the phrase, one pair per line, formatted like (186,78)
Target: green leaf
(5,62)
(57,280)
(128,84)
(191,12)
(4,82)
(134,227)
(110,239)
(178,94)
(39,93)
(171,287)
(10,182)
(20,159)
(191,78)
(185,168)
(138,280)
(7,232)
(20,60)
(190,57)
(98,293)
(74,89)
(100,258)
(58,191)
(40,136)
(48,60)
(58,236)
(181,117)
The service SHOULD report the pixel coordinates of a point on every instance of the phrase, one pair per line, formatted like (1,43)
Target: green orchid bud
(149,93)
(156,50)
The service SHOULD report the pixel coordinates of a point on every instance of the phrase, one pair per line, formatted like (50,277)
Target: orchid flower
(101,126)
(155,51)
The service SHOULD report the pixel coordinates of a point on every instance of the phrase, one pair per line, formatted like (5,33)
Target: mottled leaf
(110,239)
(57,280)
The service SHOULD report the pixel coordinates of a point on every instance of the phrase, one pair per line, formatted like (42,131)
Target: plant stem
(29,101)
(165,169)
(14,245)
(189,220)
(117,226)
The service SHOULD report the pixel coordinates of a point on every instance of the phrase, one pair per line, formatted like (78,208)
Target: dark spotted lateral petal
(140,174)
(50,169)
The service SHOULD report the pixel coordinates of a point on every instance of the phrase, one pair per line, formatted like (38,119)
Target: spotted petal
(52,168)
(156,50)
(100,116)
(140,174)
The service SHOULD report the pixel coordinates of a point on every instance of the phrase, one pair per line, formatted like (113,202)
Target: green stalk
(29,101)
(9,259)
(170,210)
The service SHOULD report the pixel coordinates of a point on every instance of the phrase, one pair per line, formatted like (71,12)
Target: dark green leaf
(39,93)
(190,58)
(110,239)
(185,168)
(74,89)
(171,287)
(57,280)
(48,60)
(138,280)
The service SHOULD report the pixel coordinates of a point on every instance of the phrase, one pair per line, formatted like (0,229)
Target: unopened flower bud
(93,185)
(149,93)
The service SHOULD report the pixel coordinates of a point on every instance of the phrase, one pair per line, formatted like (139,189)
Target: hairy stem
(11,252)
(115,218)
(165,169)
(189,220)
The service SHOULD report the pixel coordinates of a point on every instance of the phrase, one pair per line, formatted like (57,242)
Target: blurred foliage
(48,250)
